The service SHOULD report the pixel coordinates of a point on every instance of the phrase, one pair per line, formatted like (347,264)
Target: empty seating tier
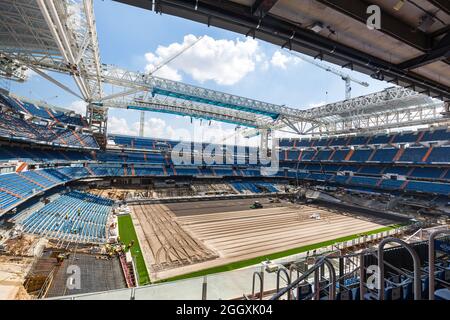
(75,216)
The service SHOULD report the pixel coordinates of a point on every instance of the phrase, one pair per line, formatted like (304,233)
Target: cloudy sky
(139,40)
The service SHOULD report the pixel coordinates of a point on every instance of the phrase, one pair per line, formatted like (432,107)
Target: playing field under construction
(179,238)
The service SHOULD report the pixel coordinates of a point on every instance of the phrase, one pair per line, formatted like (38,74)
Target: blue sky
(129,37)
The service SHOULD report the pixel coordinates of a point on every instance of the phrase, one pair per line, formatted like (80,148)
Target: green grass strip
(127,234)
(276,255)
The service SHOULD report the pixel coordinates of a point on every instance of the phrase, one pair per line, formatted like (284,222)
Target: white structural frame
(61,36)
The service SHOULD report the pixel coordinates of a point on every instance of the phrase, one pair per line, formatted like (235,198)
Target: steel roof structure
(54,35)
(61,36)
(411,48)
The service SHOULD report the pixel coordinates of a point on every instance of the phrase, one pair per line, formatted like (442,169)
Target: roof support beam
(238,18)
(444,5)
(389,24)
(54,81)
(262,7)
(440,52)
(440,32)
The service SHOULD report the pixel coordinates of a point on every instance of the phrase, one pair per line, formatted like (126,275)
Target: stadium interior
(365,183)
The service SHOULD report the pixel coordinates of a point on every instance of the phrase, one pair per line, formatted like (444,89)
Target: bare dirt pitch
(180,238)
(165,244)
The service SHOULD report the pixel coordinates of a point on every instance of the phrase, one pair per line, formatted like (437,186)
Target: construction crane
(348,79)
(159,66)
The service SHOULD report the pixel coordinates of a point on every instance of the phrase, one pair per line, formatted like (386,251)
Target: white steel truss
(12,69)
(390,108)
(190,109)
(54,35)
(389,99)
(139,81)
(420,115)
(61,36)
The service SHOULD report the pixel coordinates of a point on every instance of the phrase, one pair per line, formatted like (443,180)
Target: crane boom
(156,68)
(176,55)
(347,78)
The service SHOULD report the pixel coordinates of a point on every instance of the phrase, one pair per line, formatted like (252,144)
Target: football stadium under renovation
(357,207)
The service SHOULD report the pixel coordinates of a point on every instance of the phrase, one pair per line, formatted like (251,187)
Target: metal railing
(431,261)
(416,263)
(288,280)
(261,284)
(316,269)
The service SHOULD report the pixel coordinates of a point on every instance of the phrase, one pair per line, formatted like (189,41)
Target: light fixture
(399,5)
(316,27)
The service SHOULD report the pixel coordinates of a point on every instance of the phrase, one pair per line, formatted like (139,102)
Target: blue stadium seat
(380,139)
(340,155)
(397,170)
(308,155)
(391,184)
(405,137)
(429,187)
(341,141)
(440,155)
(385,155)
(432,173)
(75,216)
(364,181)
(442,294)
(413,154)
(323,155)
(361,155)
(358,140)
(436,135)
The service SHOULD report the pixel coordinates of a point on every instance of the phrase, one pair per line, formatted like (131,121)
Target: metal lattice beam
(61,36)
(54,35)
(12,69)
(390,99)
(137,81)
(385,120)
(390,108)
(238,18)
(188,108)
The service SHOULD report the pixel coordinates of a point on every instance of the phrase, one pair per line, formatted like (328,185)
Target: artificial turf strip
(272,256)
(127,233)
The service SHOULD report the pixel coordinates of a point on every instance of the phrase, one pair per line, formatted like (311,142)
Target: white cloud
(318,104)
(213,132)
(119,126)
(78,106)
(153,127)
(225,62)
(281,60)
(165,71)
(30,74)
(262,61)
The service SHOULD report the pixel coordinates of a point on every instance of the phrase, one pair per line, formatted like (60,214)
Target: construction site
(285,146)
(178,238)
